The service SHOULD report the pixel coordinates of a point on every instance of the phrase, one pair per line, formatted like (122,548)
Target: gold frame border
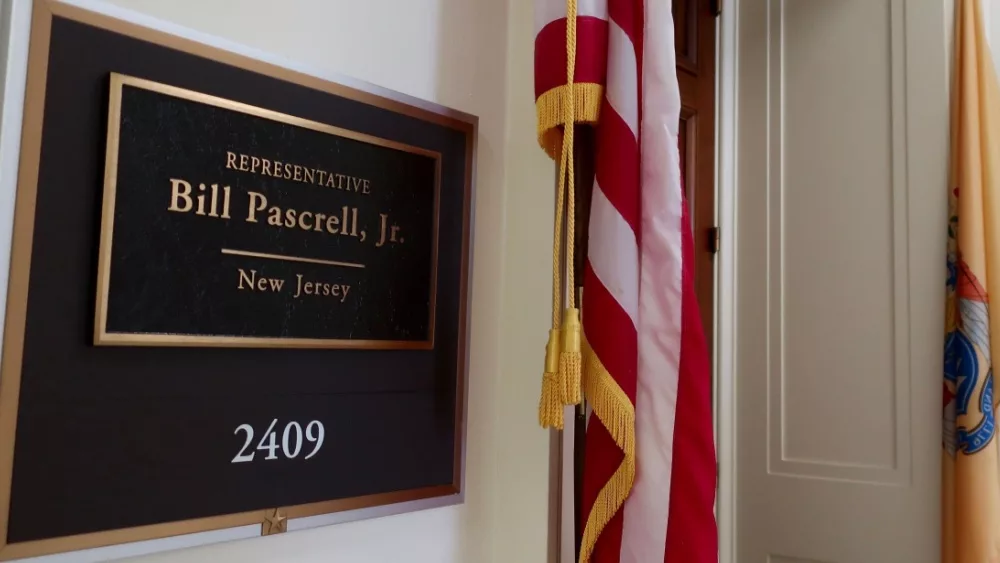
(43,12)
(104,338)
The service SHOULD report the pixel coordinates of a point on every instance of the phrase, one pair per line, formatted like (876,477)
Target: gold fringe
(550,405)
(570,360)
(614,409)
(549,107)
(569,376)
(550,408)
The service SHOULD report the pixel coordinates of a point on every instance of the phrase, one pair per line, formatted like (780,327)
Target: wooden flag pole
(583,167)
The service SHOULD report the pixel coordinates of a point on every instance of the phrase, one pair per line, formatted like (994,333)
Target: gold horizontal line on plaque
(120,80)
(286,258)
(193,340)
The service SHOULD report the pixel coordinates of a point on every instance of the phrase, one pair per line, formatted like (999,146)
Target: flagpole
(583,167)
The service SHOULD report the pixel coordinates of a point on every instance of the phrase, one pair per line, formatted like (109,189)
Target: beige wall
(453,52)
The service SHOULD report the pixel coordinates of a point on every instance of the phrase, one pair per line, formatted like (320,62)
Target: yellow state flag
(971,469)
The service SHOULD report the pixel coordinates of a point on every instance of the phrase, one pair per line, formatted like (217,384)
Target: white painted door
(842,129)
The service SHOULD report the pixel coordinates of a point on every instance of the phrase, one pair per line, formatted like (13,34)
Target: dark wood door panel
(686,33)
(688,133)
(694,28)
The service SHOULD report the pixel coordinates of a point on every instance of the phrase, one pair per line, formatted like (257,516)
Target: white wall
(453,52)
(991,13)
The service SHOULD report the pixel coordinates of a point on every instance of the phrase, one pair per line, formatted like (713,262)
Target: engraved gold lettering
(387,232)
(305,287)
(319,222)
(381,237)
(201,200)
(289,217)
(347,226)
(274,216)
(296,172)
(255,207)
(302,223)
(225,202)
(333,224)
(254,283)
(249,279)
(180,190)
(213,208)
(354,215)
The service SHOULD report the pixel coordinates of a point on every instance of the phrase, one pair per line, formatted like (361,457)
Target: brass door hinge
(713,240)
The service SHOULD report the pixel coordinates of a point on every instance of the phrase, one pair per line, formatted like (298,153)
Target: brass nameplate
(225,224)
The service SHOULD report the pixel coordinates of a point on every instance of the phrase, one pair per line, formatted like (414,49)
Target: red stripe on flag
(601,459)
(691,529)
(591,53)
(617,165)
(610,332)
(627,14)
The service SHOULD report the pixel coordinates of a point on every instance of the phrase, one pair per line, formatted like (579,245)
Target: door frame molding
(724,387)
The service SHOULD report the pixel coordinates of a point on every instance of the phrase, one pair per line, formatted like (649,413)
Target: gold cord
(561,379)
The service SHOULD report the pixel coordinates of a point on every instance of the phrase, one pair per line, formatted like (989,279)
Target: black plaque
(176,402)
(227,224)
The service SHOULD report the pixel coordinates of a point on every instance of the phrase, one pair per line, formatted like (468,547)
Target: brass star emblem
(275,522)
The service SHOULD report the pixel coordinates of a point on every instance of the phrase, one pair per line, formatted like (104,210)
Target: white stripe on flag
(548,11)
(614,256)
(623,81)
(647,508)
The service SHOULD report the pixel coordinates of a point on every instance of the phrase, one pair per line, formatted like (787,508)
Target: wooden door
(694,41)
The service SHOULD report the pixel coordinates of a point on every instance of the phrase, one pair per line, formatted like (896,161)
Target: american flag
(649,471)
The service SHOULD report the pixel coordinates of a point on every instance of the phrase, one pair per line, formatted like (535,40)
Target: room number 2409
(291,441)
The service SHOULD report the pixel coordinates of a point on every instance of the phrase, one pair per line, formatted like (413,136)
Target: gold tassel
(550,407)
(570,359)
(561,379)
